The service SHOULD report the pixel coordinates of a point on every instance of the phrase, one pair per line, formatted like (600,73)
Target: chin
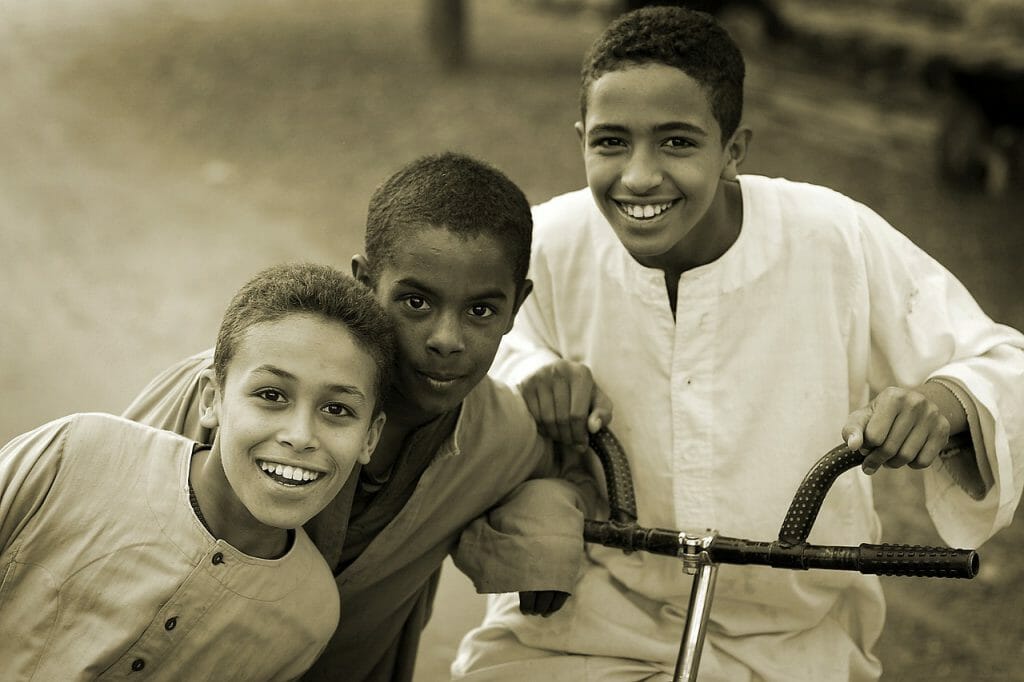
(287,519)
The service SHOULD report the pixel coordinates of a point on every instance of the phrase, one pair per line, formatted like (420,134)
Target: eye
(271,395)
(680,143)
(482,311)
(337,410)
(414,302)
(609,143)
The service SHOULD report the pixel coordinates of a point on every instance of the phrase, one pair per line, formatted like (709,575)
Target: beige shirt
(724,408)
(387,592)
(108,573)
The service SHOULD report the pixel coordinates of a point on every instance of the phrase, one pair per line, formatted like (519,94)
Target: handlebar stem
(694,552)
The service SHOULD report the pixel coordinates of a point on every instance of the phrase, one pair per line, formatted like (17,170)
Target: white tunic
(817,306)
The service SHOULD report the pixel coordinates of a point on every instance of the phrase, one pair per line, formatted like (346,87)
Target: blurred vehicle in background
(968,53)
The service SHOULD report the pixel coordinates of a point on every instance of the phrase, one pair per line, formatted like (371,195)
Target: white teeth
(645,211)
(287,471)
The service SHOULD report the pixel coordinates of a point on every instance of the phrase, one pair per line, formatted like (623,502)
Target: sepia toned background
(155,154)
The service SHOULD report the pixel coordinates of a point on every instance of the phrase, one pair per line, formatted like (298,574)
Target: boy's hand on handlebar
(542,603)
(904,426)
(566,403)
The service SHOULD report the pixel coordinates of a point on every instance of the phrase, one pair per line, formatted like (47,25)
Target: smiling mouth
(643,211)
(287,474)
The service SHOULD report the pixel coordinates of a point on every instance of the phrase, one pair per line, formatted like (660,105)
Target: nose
(642,172)
(298,432)
(446,335)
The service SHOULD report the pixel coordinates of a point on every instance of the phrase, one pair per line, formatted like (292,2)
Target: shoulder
(797,200)
(494,417)
(96,428)
(805,214)
(317,585)
(559,220)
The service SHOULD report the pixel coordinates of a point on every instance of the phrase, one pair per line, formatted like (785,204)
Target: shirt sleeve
(926,325)
(171,400)
(28,467)
(533,539)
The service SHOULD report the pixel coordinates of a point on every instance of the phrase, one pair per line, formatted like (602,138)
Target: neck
(715,234)
(709,239)
(397,427)
(228,519)
(404,417)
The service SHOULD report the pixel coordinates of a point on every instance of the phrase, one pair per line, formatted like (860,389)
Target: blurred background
(155,154)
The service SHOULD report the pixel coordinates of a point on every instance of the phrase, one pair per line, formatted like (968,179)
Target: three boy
(739,326)
(128,550)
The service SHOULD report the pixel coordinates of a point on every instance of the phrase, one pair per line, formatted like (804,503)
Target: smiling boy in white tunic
(739,326)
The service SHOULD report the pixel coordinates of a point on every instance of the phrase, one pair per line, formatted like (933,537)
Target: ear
(373,437)
(525,289)
(361,269)
(736,152)
(580,130)
(209,399)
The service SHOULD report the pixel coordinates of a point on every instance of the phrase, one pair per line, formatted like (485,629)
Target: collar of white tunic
(753,253)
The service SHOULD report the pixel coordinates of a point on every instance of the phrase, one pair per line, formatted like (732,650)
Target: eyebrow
(333,388)
(660,128)
(488,294)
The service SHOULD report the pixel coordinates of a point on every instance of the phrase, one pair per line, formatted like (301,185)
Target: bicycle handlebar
(885,559)
(791,549)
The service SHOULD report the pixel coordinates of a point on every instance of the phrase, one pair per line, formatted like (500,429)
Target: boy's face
(452,299)
(654,158)
(295,414)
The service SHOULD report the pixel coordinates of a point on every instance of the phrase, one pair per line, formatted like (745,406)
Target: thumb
(853,430)
(600,411)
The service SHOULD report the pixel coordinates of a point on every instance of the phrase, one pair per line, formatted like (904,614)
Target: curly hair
(456,192)
(690,41)
(317,290)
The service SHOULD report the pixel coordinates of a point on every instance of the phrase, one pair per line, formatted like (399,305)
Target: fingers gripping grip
(617,475)
(811,494)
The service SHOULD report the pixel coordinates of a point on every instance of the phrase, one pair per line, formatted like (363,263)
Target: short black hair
(317,290)
(453,191)
(693,42)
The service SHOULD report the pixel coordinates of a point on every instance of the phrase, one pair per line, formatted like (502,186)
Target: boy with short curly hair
(129,550)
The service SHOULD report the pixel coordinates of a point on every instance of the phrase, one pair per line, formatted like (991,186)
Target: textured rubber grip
(621,499)
(803,511)
(811,494)
(914,560)
(630,537)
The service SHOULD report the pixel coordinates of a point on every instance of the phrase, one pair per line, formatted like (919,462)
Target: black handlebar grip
(914,560)
(811,494)
(617,476)
(630,537)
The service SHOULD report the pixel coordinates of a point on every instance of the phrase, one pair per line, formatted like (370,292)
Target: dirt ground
(156,154)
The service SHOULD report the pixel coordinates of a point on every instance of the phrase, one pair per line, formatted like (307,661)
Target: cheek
(484,343)
(409,336)
(600,170)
